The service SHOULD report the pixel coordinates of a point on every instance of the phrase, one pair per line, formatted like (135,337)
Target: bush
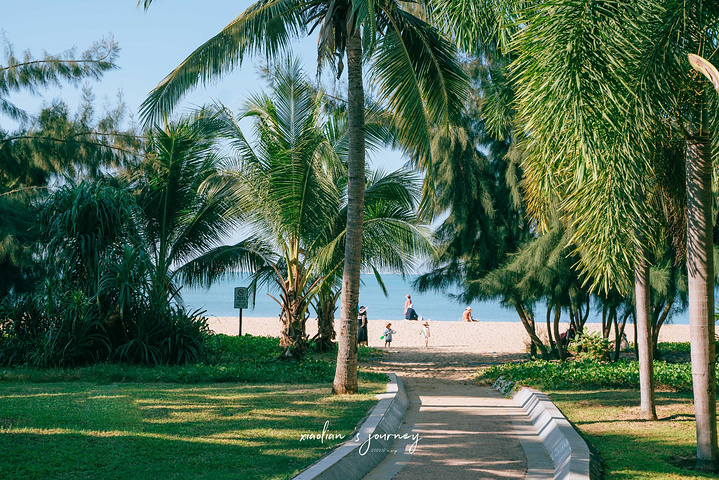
(592,346)
(68,329)
(587,374)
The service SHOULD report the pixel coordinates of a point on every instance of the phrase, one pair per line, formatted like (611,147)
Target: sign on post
(240,297)
(240,302)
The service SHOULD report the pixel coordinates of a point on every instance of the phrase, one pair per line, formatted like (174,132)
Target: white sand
(488,337)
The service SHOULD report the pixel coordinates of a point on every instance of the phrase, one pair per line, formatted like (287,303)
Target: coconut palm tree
(394,239)
(189,206)
(413,67)
(295,193)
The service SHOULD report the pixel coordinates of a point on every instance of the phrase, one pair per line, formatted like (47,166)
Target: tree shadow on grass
(169,431)
(131,457)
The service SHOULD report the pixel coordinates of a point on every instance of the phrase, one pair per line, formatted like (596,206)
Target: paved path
(465,431)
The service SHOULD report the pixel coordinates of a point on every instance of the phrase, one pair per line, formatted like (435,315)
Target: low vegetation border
(567,449)
(353,459)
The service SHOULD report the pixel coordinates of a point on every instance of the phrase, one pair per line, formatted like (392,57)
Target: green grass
(83,430)
(602,401)
(633,449)
(241,414)
(244,359)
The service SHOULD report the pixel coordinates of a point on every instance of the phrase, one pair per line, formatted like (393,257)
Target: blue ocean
(438,306)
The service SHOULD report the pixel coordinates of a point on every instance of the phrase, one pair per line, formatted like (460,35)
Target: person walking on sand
(387,335)
(424,333)
(467,315)
(407,304)
(362,326)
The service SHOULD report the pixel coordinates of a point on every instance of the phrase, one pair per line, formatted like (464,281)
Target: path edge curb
(345,462)
(567,449)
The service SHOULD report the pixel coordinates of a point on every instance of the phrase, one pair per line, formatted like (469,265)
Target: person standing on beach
(362,326)
(387,335)
(467,315)
(424,333)
(409,313)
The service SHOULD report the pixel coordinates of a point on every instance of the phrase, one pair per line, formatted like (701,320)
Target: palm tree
(393,239)
(189,206)
(413,67)
(594,82)
(643,71)
(295,193)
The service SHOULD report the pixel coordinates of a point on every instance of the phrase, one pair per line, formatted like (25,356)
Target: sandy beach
(479,337)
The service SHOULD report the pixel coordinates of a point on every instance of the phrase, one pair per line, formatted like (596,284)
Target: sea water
(218,301)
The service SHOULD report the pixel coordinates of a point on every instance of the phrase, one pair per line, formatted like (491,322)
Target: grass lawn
(632,448)
(84,430)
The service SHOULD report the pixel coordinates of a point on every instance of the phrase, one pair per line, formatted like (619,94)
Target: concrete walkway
(465,431)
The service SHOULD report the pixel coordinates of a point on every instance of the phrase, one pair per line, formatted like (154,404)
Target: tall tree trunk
(644,340)
(618,333)
(661,318)
(528,322)
(552,344)
(700,268)
(346,372)
(561,348)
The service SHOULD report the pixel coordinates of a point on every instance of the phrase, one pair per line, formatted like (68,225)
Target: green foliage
(100,300)
(592,346)
(28,73)
(667,348)
(588,374)
(227,359)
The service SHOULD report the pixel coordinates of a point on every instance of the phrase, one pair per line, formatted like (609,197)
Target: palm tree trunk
(346,372)
(644,340)
(325,306)
(700,269)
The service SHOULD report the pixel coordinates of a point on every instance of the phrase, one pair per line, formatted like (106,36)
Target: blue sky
(152,43)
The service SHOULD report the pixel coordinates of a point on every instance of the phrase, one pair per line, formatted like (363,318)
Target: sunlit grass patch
(631,448)
(136,431)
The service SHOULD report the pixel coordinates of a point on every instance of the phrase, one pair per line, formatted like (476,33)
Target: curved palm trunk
(552,344)
(700,268)
(644,341)
(528,321)
(346,373)
(657,325)
(561,348)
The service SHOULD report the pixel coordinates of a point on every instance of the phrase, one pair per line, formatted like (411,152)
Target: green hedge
(230,359)
(587,374)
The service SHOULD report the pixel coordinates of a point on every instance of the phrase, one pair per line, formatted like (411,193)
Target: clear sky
(152,43)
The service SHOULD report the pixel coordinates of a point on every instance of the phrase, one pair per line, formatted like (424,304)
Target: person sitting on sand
(387,335)
(467,315)
(410,314)
(424,333)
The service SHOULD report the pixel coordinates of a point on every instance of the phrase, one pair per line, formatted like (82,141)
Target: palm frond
(265,27)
